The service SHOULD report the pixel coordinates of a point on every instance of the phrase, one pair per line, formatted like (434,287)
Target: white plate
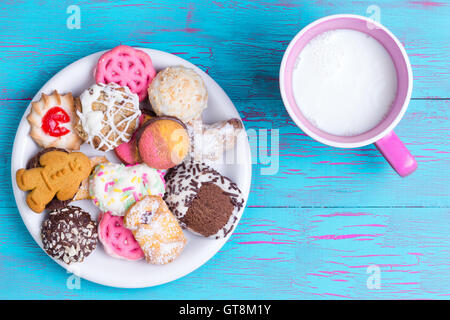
(99,267)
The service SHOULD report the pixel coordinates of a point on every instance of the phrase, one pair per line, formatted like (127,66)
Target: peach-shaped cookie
(127,152)
(163,142)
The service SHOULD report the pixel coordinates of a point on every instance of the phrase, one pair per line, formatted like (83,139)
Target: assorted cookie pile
(163,184)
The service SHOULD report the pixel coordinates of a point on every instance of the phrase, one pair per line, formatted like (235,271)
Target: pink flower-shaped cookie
(117,240)
(126,66)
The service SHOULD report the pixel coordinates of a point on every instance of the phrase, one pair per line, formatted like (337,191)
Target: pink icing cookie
(126,66)
(117,240)
(127,152)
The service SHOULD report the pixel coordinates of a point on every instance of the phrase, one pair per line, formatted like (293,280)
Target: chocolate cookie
(34,163)
(204,201)
(69,234)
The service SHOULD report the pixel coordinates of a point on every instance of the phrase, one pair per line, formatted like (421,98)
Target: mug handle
(395,152)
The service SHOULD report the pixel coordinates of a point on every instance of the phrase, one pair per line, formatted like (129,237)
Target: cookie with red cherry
(52,121)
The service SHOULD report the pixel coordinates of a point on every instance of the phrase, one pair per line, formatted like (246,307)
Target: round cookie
(163,142)
(117,240)
(204,201)
(108,115)
(156,230)
(178,92)
(69,234)
(126,66)
(115,187)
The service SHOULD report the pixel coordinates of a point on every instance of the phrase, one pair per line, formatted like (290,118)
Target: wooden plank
(311,230)
(311,174)
(240,43)
(287,253)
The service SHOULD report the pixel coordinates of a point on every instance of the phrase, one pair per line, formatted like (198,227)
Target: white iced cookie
(115,187)
(178,92)
(108,115)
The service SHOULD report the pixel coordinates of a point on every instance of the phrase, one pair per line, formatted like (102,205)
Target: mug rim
(301,123)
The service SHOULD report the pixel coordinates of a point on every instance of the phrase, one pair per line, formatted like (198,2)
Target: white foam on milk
(344,82)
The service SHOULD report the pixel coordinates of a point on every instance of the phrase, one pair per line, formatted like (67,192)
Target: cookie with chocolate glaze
(69,234)
(204,201)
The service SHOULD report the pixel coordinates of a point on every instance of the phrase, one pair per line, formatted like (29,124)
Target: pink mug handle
(395,152)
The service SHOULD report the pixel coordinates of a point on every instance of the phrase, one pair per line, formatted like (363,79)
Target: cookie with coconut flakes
(178,92)
(69,234)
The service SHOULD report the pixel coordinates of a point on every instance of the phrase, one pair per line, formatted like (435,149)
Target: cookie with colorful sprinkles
(115,187)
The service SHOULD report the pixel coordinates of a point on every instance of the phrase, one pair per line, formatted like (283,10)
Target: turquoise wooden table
(331,223)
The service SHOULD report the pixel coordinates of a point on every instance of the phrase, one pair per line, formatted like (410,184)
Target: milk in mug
(344,82)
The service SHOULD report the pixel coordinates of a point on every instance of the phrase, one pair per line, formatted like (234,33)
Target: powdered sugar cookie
(117,240)
(126,66)
(115,187)
(209,142)
(156,230)
(52,121)
(204,201)
(107,115)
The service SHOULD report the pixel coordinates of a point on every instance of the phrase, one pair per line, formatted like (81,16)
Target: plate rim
(245,189)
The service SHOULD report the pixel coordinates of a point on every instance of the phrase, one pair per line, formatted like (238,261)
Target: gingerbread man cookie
(52,121)
(60,174)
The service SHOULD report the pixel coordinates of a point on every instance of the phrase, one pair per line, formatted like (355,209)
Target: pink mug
(382,135)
